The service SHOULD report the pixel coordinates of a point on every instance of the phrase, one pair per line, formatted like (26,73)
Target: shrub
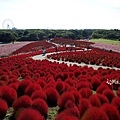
(94,113)
(31,88)
(111,111)
(118,92)
(109,94)
(116,103)
(69,81)
(3,108)
(77,97)
(30,114)
(103,99)
(38,94)
(83,84)
(22,86)
(64,98)
(14,85)
(83,106)
(40,105)
(95,83)
(22,102)
(52,96)
(94,100)
(67,117)
(69,104)
(73,112)
(60,86)
(41,82)
(85,92)
(4,78)
(101,88)
(8,94)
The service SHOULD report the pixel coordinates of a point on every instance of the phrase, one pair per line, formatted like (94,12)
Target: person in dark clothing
(56,48)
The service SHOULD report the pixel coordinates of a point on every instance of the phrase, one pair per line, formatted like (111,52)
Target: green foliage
(40,34)
(7,37)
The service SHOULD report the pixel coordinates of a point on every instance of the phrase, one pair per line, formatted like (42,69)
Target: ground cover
(44,90)
(106,41)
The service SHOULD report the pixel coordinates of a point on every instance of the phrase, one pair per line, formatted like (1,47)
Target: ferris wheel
(7,24)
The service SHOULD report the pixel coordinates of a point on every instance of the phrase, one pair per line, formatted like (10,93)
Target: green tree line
(7,36)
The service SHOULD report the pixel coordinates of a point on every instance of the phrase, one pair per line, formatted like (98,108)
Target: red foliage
(14,85)
(85,92)
(22,102)
(60,86)
(101,88)
(103,99)
(38,94)
(116,103)
(94,113)
(30,114)
(8,94)
(41,82)
(64,98)
(69,104)
(83,84)
(109,94)
(118,92)
(73,112)
(22,86)
(83,106)
(40,105)
(31,88)
(111,111)
(95,83)
(52,96)
(3,108)
(67,117)
(77,96)
(94,100)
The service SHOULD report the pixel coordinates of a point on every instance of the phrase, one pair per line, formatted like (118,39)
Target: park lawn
(106,41)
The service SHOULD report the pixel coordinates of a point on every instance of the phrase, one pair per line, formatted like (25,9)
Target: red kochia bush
(71,112)
(22,86)
(116,103)
(52,96)
(77,96)
(103,99)
(60,86)
(95,83)
(8,94)
(30,114)
(111,111)
(3,108)
(41,82)
(22,102)
(39,94)
(118,92)
(94,100)
(64,98)
(94,113)
(68,117)
(109,94)
(83,106)
(85,92)
(40,105)
(83,84)
(31,88)
(101,88)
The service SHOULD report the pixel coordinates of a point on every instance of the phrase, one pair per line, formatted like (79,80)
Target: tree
(33,36)
(7,37)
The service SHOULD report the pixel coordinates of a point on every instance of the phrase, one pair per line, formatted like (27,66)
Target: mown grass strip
(106,41)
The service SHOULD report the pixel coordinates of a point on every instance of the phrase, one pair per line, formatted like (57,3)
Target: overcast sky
(61,14)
